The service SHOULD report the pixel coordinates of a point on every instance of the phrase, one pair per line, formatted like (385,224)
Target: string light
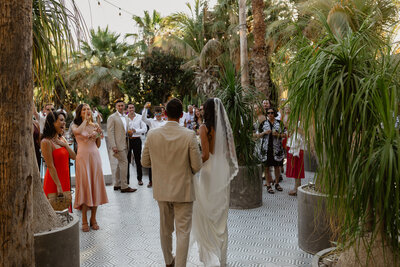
(119,8)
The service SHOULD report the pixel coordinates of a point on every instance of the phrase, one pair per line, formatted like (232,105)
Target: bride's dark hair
(209,114)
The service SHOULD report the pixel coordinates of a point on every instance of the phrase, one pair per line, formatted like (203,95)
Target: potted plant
(345,89)
(246,187)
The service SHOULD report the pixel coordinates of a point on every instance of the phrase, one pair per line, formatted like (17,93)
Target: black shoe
(150,185)
(116,188)
(278,187)
(140,183)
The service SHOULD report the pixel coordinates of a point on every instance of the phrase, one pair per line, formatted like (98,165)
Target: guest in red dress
(56,153)
(295,159)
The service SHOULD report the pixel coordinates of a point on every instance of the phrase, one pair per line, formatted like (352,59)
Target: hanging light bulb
(205,39)
(194,38)
(98,2)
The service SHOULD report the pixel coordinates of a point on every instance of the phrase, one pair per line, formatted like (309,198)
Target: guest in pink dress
(90,190)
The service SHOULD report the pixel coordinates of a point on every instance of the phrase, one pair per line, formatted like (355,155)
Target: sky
(106,13)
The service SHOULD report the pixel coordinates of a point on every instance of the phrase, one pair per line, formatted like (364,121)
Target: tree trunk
(16,158)
(244,60)
(261,69)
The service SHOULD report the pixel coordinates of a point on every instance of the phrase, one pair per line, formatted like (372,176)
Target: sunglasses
(158,114)
(270,112)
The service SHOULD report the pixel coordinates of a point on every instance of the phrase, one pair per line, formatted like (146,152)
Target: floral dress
(271,150)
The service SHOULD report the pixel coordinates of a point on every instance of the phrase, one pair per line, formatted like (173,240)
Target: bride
(210,210)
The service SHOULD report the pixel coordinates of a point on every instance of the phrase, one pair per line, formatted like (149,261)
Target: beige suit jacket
(116,132)
(173,154)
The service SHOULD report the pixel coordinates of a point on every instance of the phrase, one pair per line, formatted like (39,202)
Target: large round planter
(59,247)
(314,233)
(246,192)
(310,162)
(319,255)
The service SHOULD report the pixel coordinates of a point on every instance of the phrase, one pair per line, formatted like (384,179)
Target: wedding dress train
(210,210)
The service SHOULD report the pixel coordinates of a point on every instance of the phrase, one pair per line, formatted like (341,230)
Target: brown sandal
(94,226)
(293,193)
(85,227)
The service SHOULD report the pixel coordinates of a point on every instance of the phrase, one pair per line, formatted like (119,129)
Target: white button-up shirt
(137,124)
(152,123)
(42,120)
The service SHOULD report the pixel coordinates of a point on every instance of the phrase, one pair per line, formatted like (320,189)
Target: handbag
(60,202)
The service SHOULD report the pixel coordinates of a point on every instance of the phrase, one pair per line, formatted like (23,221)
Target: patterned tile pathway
(129,234)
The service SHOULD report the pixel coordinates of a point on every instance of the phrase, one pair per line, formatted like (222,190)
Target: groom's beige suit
(116,131)
(172,152)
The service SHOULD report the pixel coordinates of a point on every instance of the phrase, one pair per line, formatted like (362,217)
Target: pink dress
(90,187)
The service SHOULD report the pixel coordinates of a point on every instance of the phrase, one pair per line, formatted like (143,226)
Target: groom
(173,154)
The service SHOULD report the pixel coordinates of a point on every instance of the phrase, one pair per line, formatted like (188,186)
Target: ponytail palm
(346,91)
(52,42)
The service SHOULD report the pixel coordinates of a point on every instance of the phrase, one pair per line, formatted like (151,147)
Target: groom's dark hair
(174,108)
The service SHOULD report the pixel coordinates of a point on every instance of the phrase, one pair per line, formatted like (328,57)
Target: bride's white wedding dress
(210,210)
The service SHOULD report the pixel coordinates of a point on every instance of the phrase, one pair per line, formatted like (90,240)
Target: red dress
(295,165)
(61,163)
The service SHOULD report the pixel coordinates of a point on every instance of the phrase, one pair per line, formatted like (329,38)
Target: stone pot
(314,232)
(319,255)
(246,192)
(59,247)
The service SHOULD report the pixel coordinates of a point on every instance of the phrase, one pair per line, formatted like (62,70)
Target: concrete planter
(59,247)
(314,233)
(319,255)
(310,162)
(246,192)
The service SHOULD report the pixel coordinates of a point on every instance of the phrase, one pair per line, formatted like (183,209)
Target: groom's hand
(115,150)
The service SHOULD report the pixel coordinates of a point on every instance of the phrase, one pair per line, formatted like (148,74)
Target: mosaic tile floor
(129,234)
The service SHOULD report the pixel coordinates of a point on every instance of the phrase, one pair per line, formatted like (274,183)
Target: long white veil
(210,210)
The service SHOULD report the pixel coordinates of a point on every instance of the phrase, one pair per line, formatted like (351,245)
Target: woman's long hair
(209,114)
(78,117)
(49,130)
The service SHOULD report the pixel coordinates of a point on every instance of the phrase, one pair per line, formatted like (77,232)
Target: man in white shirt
(154,123)
(157,121)
(189,117)
(136,127)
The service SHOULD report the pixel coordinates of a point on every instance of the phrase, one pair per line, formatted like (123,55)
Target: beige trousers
(120,170)
(182,213)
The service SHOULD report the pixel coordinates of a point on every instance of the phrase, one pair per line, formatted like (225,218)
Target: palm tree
(101,64)
(32,36)
(52,44)
(244,59)
(261,68)
(150,28)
